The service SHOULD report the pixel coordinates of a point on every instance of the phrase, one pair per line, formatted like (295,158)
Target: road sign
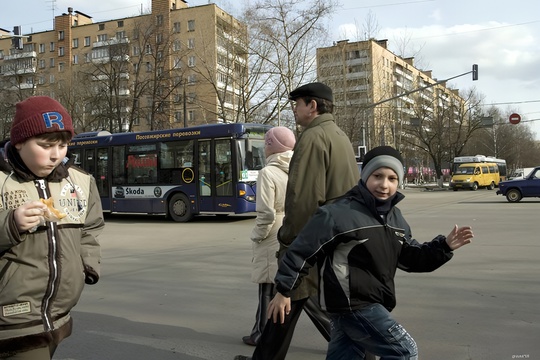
(515,118)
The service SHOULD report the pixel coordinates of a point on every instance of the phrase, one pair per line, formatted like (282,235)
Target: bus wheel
(491,186)
(179,208)
(513,195)
(474,186)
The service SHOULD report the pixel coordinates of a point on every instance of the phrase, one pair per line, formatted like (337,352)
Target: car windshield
(466,170)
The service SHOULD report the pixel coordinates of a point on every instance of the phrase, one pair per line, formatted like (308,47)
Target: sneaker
(242,357)
(249,341)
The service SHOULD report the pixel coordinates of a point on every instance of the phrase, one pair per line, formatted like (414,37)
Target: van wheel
(491,186)
(474,186)
(513,195)
(179,208)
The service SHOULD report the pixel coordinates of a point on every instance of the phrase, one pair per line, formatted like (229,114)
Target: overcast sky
(502,37)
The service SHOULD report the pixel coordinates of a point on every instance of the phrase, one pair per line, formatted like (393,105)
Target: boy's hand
(279,306)
(459,237)
(29,215)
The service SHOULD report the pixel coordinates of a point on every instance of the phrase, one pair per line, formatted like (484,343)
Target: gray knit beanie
(382,156)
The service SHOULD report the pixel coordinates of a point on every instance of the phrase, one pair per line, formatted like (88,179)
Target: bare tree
(283,37)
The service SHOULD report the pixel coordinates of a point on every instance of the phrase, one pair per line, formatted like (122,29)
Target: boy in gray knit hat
(361,240)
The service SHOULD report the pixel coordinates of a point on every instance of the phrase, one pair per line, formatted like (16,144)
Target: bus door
(216,187)
(95,161)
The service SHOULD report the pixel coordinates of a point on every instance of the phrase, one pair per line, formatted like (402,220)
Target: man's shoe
(242,357)
(249,341)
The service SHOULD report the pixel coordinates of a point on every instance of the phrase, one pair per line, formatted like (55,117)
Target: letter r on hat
(52,118)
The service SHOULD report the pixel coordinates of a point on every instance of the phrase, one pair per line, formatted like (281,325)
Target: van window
(484,169)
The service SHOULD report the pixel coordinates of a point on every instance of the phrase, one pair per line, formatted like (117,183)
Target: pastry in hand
(52,214)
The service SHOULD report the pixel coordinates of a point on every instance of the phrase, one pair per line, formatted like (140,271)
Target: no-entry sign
(515,118)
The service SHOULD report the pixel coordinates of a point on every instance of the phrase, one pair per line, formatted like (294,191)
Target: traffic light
(475,72)
(17,40)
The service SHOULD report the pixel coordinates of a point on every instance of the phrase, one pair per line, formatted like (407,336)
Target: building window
(61,51)
(135,34)
(176,27)
(121,23)
(148,50)
(136,50)
(61,35)
(136,67)
(192,79)
(159,38)
(148,67)
(75,43)
(177,45)
(160,55)
(41,80)
(75,59)
(87,41)
(102,37)
(191,61)
(191,25)
(177,63)
(51,46)
(159,20)
(101,26)
(51,79)
(120,35)
(42,63)
(191,116)
(191,43)
(41,48)
(60,66)
(178,116)
(51,62)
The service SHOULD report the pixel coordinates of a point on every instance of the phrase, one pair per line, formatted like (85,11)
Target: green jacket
(42,273)
(322,169)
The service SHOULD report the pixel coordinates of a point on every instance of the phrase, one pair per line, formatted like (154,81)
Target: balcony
(21,55)
(110,42)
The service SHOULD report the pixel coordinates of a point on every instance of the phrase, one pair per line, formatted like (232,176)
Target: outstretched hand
(459,237)
(280,306)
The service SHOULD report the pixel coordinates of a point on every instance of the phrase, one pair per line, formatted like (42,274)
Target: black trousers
(266,292)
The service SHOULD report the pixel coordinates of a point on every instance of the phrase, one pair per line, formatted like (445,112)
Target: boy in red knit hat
(50,217)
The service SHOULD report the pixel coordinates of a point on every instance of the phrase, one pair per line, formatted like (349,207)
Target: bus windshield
(251,158)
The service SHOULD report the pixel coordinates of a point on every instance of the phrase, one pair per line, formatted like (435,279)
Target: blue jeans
(373,329)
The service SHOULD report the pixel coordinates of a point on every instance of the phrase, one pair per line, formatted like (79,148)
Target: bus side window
(118,168)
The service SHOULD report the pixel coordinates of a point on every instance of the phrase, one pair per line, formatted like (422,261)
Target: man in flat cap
(323,167)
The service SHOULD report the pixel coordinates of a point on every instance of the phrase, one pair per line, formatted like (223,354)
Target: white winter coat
(271,187)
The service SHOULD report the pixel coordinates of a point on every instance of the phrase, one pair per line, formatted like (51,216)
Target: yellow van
(474,175)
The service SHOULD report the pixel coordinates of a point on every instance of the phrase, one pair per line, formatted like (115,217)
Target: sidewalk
(428,186)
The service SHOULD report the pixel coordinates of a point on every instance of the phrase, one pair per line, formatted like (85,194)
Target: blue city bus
(209,169)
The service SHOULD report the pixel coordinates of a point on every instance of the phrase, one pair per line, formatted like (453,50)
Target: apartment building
(175,66)
(364,75)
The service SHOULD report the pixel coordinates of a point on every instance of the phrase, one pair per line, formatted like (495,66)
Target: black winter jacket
(358,253)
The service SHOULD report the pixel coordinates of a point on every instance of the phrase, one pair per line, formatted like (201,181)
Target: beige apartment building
(173,67)
(364,75)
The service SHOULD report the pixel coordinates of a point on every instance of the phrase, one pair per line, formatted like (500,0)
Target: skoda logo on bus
(515,118)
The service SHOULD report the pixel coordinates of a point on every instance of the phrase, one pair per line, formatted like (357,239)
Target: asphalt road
(183,291)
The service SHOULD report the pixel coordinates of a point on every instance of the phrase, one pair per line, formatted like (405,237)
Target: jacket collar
(361,194)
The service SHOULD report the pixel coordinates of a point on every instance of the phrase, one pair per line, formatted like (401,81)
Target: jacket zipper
(53,266)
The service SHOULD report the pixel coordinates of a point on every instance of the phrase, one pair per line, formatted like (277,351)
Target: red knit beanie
(39,115)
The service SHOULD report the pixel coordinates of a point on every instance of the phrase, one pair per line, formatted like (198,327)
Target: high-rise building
(175,66)
(368,80)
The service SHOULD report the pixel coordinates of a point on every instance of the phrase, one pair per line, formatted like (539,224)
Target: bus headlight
(250,198)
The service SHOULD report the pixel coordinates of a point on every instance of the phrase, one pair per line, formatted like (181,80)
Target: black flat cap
(316,89)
